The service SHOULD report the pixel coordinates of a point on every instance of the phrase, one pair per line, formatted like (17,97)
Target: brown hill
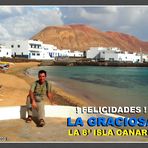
(81,37)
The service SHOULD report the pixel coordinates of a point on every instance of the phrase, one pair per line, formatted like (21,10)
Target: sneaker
(41,122)
(29,119)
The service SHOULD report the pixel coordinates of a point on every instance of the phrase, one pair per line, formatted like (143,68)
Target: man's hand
(34,105)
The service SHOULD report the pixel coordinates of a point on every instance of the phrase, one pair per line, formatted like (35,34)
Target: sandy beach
(15,84)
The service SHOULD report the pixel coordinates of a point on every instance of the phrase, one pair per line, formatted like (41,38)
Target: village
(37,50)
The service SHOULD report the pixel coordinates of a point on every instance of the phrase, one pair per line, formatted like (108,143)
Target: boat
(4,66)
(3,62)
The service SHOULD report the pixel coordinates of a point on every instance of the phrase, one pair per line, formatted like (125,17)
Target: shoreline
(85,62)
(12,95)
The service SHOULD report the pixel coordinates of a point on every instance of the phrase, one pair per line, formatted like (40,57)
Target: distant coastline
(92,63)
(76,62)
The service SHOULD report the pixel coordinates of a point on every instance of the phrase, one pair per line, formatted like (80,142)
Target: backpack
(46,85)
(29,100)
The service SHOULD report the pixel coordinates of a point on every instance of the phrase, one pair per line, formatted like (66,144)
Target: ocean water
(112,86)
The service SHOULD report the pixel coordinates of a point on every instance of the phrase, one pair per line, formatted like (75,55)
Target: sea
(102,86)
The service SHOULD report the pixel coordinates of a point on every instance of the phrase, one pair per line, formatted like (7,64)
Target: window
(31,45)
(130,52)
(111,59)
(35,46)
(120,59)
(18,46)
(7,53)
(38,54)
(50,54)
(33,54)
(0,50)
(12,46)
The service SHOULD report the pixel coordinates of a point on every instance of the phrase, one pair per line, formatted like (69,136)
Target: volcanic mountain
(81,37)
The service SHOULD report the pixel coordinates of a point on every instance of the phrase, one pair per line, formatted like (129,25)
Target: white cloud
(19,22)
(4,33)
(132,19)
(24,22)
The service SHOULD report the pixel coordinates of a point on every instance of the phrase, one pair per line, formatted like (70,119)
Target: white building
(69,53)
(65,52)
(49,51)
(94,52)
(112,54)
(77,54)
(5,52)
(145,57)
(25,48)
(31,49)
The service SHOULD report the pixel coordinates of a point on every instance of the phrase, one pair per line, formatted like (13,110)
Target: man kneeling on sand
(39,90)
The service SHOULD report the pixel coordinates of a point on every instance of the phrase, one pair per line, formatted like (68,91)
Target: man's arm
(31,92)
(34,105)
(49,94)
(50,97)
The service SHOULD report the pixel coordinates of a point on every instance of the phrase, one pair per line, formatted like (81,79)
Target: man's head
(42,76)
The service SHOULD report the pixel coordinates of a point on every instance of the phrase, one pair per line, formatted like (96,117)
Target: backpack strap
(35,85)
(47,86)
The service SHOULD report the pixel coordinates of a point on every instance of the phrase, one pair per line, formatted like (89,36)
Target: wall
(5,52)
(92,53)
(19,48)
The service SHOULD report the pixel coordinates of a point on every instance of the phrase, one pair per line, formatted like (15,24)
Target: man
(39,90)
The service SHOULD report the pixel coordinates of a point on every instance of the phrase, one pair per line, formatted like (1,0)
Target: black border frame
(74,145)
(73,2)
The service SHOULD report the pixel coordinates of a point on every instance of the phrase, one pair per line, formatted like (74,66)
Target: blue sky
(22,22)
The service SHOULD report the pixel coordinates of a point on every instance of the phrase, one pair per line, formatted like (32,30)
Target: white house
(5,52)
(145,57)
(34,49)
(65,52)
(25,48)
(94,52)
(69,53)
(31,49)
(112,54)
(77,54)
(49,51)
